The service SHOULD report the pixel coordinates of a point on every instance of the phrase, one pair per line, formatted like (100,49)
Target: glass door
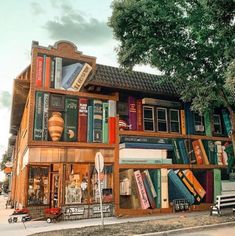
(55,189)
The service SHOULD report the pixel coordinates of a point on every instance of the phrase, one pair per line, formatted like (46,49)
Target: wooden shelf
(69,144)
(79,94)
(170,166)
(169,135)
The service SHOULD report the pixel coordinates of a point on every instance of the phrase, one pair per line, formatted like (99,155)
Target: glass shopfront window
(38,191)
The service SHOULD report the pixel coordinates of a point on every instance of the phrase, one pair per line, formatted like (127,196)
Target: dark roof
(113,77)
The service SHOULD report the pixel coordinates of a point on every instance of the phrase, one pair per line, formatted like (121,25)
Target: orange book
(197,151)
(112,130)
(139,111)
(182,119)
(47,72)
(204,155)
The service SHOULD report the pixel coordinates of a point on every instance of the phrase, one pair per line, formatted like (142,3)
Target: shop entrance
(54,201)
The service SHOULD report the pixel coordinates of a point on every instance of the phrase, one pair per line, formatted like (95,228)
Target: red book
(82,120)
(198,152)
(39,71)
(112,130)
(139,114)
(47,72)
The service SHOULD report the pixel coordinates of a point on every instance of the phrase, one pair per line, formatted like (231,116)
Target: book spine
(227,122)
(52,78)
(217,183)
(45,116)
(141,139)
(58,72)
(82,76)
(111,122)
(164,189)
(204,155)
(90,125)
(38,116)
(197,152)
(132,113)
(97,120)
(183,152)
(182,121)
(164,146)
(70,119)
(44,71)
(139,109)
(105,122)
(82,120)
(178,158)
(207,121)
(39,71)
(148,191)
(150,183)
(142,192)
(47,72)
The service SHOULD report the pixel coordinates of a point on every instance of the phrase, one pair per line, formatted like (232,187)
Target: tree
(191,41)
(5,159)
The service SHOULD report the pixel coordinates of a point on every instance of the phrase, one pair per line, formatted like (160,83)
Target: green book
(38,117)
(227,122)
(178,158)
(97,120)
(207,120)
(211,152)
(70,119)
(105,122)
(155,175)
(217,183)
(90,125)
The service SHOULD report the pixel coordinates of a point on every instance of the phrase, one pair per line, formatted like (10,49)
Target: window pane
(161,114)
(174,115)
(148,113)
(148,126)
(76,183)
(175,127)
(162,126)
(38,191)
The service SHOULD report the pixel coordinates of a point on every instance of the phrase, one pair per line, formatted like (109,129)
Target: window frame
(148,119)
(220,124)
(178,121)
(166,121)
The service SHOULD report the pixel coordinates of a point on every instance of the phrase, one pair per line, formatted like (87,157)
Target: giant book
(39,71)
(183,151)
(198,152)
(182,122)
(90,124)
(58,73)
(70,119)
(45,116)
(97,120)
(81,77)
(47,72)
(164,189)
(217,183)
(192,184)
(112,122)
(129,196)
(105,122)
(177,189)
(165,146)
(82,119)
(142,139)
(69,74)
(52,76)
(226,122)
(208,125)
(38,116)
(144,202)
(148,191)
(150,182)
(132,113)
(177,157)
(155,175)
(210,149)
(139,113)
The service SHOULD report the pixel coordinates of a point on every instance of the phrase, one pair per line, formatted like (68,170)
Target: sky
(82,22)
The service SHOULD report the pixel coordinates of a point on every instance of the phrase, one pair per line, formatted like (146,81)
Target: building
(66,108)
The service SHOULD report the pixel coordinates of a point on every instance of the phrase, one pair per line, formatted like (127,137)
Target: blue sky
(47,21)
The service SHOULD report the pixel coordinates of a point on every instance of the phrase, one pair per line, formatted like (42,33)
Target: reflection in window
(106,183)
(217,124)
(76,183)
(38,191)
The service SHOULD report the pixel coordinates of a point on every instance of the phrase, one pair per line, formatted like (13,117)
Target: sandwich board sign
(99,165)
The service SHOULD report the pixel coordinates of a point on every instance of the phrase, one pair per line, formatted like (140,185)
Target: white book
(58,72)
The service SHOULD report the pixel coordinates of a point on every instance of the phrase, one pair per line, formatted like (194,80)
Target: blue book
(90,125)
(177,189)
(166,146)
(183,152)
(69,74)
(189,119)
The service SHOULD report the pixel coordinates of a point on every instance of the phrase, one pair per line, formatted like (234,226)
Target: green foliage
(5,159)
(190,41)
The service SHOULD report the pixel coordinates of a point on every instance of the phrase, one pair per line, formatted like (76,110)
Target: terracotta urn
(55,126)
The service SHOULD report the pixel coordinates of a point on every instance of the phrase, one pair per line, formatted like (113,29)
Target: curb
(187,230)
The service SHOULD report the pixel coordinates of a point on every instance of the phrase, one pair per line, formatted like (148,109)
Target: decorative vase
(55,126)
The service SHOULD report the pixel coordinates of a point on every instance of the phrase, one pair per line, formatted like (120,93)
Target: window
(198,122)
(162,125)
(217,124)
(38,191)
(76,183)
(148,116)
(174,121)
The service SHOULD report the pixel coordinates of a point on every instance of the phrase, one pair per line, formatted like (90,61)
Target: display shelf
(153,166)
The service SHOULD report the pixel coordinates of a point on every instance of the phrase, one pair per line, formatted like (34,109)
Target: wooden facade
(59,156)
